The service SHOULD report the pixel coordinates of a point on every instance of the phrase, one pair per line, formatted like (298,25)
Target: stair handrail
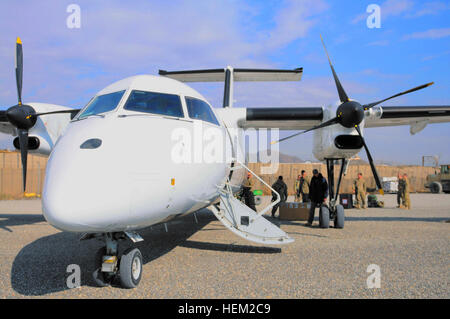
(272,204)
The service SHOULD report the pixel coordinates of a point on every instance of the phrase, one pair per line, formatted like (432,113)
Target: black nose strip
(91,143)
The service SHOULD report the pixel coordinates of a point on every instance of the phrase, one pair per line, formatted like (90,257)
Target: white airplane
(111,168)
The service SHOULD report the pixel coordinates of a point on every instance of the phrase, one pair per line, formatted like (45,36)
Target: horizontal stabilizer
(218,75)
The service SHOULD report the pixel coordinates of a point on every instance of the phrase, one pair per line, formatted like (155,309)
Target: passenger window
(155,103)
(200,110)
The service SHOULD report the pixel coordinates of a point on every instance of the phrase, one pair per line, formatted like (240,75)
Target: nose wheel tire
(130,268)
(324,217)
(339,217)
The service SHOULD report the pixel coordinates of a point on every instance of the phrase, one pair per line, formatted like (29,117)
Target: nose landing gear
(126,267)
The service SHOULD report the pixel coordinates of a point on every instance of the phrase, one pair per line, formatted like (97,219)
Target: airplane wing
(287,118)
(5,126)
(410,115)
(283,118)
(303,118)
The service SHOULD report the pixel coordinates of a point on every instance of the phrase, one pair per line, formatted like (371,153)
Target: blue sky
(119,39)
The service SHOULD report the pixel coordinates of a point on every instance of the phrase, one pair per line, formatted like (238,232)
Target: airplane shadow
(397,219)
(40,268)
(8,220)
(230,248)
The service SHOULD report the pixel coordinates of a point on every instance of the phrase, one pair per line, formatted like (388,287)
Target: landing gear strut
(333,211)
(126,267)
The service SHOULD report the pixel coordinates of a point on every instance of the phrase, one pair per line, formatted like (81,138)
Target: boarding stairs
(245,222)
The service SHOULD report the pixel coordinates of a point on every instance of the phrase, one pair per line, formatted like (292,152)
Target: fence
(416,174)
(11,175)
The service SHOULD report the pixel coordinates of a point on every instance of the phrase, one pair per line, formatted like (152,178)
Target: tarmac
(410,249)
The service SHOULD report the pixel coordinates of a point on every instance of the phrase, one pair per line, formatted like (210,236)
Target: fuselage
(147,169)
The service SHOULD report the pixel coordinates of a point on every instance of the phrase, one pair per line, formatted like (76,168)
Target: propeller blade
(23,142)
(370,105)
(372,165)
(19,69)
(342,95)
(73,111)
(334,120)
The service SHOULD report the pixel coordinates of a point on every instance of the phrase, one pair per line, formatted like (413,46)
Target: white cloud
(294,21)
(430,8)
(118,40)
(429,34)
(380,43)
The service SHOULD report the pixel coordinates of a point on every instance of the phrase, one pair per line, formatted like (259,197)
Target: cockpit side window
(102,104)
(200,110)
(155,103)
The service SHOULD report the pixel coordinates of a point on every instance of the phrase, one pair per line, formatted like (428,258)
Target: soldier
(304,187)
(247,192)
(406,199)
(281,188)
(401,186)
(318,194)
(359,188)
(297,188)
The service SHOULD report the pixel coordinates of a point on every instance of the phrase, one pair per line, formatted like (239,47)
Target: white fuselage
(131,181)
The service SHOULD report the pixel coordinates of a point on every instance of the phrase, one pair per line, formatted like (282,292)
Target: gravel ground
(204,260)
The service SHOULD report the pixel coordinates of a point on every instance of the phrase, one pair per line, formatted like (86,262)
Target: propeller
(23,117)
(351,113)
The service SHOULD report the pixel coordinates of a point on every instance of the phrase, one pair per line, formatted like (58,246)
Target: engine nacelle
(36,144)
(336,141)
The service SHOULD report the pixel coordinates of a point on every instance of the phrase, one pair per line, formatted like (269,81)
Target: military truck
(439,182)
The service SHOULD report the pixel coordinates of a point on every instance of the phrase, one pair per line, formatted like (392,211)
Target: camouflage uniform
(360,192)
(304,190)
(297,190)
(406,199)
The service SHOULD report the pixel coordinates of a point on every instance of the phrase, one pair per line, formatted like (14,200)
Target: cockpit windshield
(102,103)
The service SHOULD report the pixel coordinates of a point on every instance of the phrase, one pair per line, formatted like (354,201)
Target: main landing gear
(332,211)
(126,267)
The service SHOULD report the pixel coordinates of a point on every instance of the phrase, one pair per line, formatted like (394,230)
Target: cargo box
(294,211)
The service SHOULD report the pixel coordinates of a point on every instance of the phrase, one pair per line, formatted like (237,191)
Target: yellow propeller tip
(273,142)
(18,41)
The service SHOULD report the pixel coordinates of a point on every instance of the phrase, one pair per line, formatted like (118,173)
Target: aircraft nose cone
(84,185)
